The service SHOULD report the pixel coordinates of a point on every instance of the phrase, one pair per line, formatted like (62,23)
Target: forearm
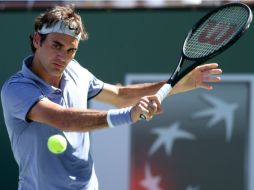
(130,94)
(124,96)
(67,119)
(72,119)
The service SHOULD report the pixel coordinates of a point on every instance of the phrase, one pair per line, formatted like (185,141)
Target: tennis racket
(211,35)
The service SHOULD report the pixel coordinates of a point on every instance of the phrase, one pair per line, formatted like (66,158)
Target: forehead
(64,39)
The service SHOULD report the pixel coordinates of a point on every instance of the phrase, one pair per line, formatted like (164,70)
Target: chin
(57,73)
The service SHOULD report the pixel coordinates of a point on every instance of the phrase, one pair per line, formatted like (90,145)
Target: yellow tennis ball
(57,144)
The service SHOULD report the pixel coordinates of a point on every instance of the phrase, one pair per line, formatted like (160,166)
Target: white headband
(59,27)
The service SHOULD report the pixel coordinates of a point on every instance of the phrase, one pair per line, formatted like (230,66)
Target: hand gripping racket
(211,35)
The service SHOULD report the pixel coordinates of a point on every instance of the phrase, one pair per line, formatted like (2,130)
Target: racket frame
(175,77)
(230,43)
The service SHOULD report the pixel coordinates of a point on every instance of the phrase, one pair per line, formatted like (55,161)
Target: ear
(36,40)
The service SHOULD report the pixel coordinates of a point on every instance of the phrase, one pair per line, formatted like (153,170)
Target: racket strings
(216,32)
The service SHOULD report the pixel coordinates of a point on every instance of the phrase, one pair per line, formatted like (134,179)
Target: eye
(72,51)
(56,46)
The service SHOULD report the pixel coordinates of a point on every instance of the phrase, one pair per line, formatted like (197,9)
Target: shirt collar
(29,74)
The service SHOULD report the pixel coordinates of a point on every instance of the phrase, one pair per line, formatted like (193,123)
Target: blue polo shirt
(39,169)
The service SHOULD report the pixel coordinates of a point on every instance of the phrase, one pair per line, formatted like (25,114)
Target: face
(54,54)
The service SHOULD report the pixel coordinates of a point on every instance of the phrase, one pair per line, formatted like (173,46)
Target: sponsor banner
(200,142)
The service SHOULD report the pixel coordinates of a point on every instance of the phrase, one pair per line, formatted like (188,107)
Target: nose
(61,55)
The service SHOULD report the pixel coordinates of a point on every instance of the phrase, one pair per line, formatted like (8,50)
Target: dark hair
(42,39)
(55,14)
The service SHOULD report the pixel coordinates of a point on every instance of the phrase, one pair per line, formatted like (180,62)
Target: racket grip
(163,91)
(161,94)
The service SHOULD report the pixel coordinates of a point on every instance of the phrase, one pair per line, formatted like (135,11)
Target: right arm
(33,106)
(67,119)
(73,119)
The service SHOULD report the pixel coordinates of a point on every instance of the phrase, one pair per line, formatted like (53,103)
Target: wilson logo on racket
(216,33)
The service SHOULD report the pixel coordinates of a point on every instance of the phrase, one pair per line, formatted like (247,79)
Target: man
(49,96)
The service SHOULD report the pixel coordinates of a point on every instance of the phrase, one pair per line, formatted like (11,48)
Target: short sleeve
(18,98)
(95,86)
(78,73)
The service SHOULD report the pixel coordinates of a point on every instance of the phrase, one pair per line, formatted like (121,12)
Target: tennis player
(49,96)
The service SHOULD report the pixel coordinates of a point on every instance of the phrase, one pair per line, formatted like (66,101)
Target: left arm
(123,96)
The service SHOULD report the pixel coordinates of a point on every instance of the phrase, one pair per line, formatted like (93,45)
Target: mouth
(58,66)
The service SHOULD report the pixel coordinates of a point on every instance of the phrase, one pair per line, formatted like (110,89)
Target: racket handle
(161,94)
(163,91)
